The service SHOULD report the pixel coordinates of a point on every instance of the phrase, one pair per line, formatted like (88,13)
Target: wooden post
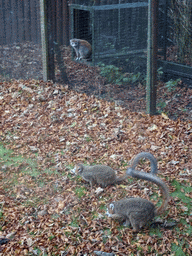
(152,57)
(93,36)
(47,38)
(65,23)
(51,29)
(44,43)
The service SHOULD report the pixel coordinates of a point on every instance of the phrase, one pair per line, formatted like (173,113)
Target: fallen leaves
(47,209)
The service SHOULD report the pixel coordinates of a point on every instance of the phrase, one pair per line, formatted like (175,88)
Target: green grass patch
(80,192)
(8,158)
(177,249)
(26,165)
(156,231)
(18,170)
(74,223)
(181,191)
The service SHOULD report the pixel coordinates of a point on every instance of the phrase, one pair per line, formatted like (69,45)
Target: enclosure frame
(92,10)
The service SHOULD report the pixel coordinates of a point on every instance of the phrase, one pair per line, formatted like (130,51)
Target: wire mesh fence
(116,29)
(179,34)
(19,21)
(175,39)
(20,49)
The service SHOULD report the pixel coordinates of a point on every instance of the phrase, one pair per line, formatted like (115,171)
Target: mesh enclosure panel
(20,40)
(116,30)
(175,39)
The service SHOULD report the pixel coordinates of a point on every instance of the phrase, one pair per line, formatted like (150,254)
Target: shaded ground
(20,61)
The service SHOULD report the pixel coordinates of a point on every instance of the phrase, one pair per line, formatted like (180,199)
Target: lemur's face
(79,168)
(74,43)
